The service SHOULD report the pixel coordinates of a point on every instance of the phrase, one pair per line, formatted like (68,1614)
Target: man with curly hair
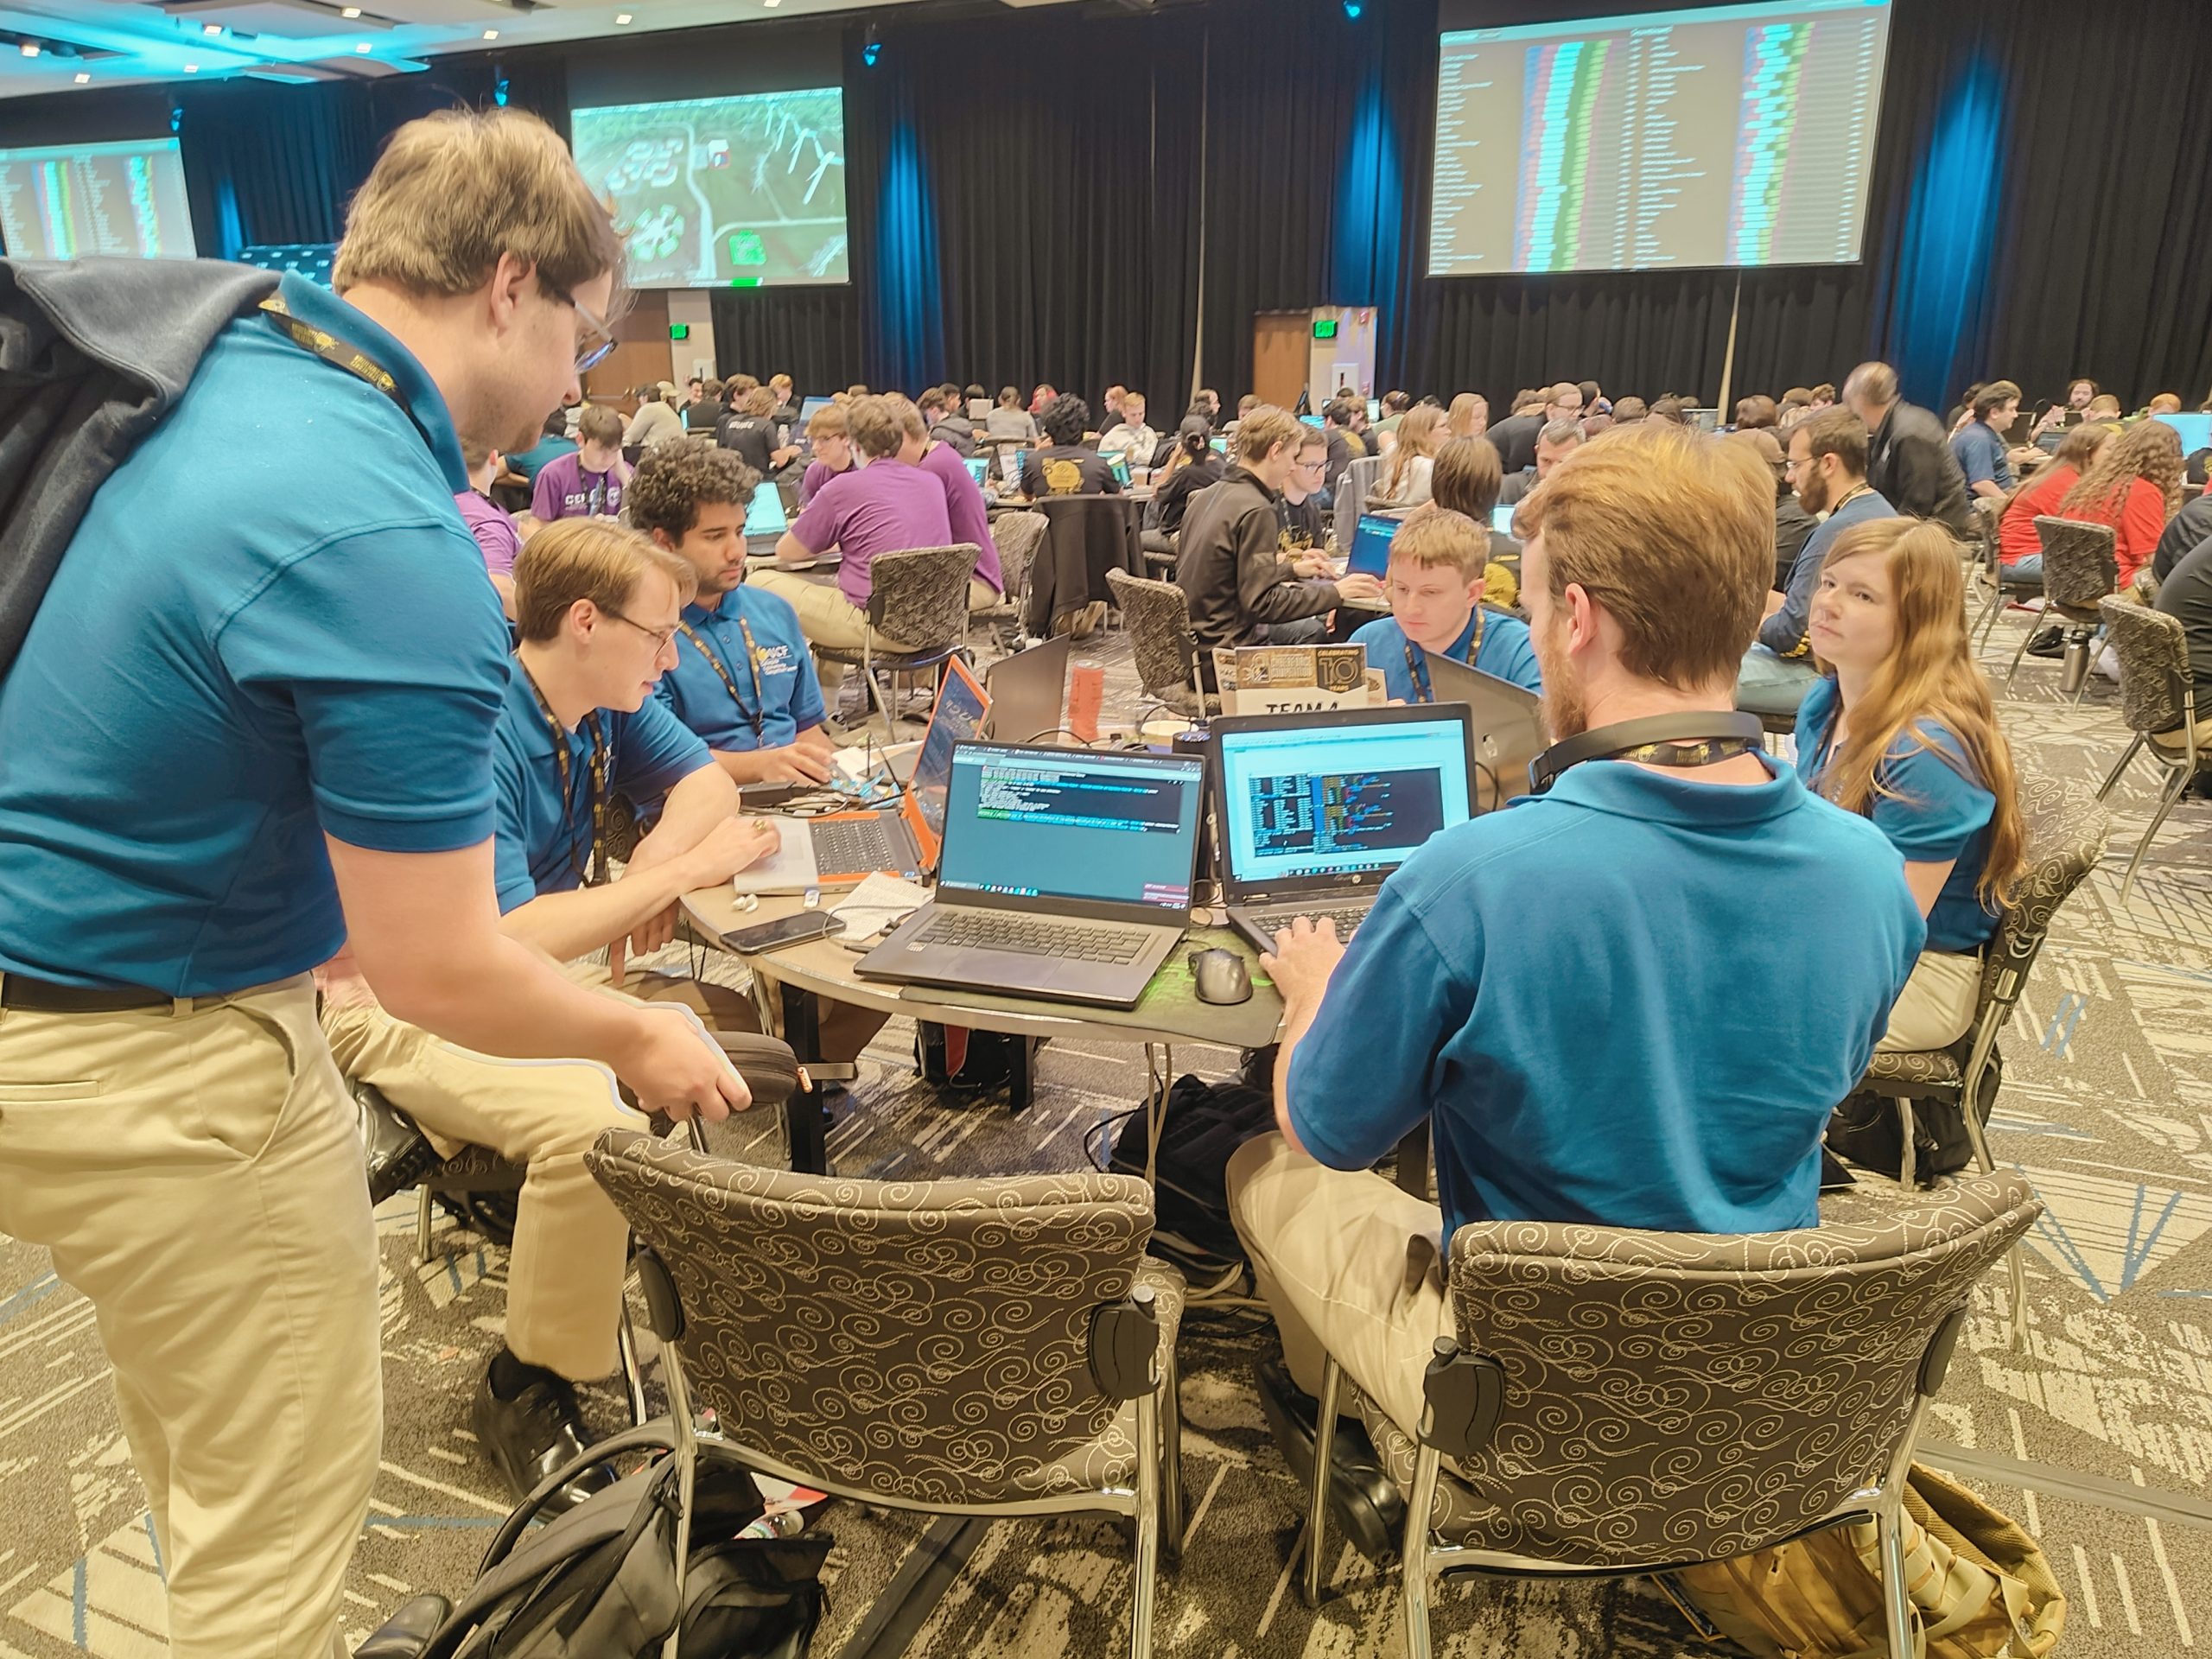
(742,680)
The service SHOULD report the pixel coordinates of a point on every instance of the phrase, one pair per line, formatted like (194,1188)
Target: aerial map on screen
(724,192)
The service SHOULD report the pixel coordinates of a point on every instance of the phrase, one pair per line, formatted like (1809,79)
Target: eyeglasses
(662,638)
(592,349)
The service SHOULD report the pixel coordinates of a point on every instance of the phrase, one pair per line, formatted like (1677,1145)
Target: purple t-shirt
(818,473)
(971,518)
(886,507)
(494,531)
(565,490)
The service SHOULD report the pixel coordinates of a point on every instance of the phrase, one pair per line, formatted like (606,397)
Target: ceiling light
(772,4)
(211,30)
(361,46)
(191,68)
(621,20)
(30,48)
(84,79)
(491,34)
(350,13)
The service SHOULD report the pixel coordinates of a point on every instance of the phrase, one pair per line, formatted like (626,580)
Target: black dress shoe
(531,1436)
(1363,1497)
(399,1154)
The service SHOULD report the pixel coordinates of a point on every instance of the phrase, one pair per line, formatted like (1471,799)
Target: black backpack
(1864,1129)
(1201,1126)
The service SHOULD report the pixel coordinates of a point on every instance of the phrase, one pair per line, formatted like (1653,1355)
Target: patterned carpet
(2108,1108)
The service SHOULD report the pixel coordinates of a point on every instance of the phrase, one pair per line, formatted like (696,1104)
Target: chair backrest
(1989,511)
(1018,535)
(920,1339)
(919,596)
(1353,488)
(2153,652)
(1157,616)
(2066,831)
(1682,1397)
(2079,563)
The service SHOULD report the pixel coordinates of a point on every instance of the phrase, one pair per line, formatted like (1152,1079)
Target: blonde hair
(455,191)
(1438,538)
(587,558)
(830,421)
(882,423)
(757,402)
(1461,420)
(1673,533)
(1929,676)
(1417,435)
(1266,430)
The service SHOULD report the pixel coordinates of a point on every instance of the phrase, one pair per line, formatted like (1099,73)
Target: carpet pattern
(2106,1108)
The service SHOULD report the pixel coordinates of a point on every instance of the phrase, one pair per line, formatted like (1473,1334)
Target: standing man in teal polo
(282,745)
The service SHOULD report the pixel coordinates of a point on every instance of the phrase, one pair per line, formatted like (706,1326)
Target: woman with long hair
(2020,550)
(1900,729)
(1468,417)
(2134,485)
(1405,481)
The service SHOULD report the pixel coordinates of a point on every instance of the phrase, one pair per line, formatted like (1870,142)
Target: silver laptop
(1028,693)
(1065,873)
(1317,810)
(1509,727)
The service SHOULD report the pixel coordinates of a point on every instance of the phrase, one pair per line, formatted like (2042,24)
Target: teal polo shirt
(1561,988)
(271,626)
(1507,651)
(541,849)
(779,692)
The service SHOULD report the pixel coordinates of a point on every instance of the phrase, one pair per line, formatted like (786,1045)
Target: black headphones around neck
(1677,740)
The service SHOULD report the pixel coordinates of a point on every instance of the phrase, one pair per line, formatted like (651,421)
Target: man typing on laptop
(597,606)
(1557,990)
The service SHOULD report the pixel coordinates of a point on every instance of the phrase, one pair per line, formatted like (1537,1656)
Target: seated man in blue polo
(1828,467)
(1558,989)
(597,607)
(741,682)
(1435,586)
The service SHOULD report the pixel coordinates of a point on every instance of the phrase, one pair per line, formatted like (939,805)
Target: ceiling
(92,43)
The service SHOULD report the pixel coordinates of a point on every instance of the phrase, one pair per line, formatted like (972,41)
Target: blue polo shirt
(540,849)
(1506,652)
(1562,987)
(1981,455)
(788,697)
(1930,805)
(271,626)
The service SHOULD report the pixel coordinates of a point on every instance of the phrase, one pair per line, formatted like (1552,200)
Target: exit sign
(1325,330)
(679,331)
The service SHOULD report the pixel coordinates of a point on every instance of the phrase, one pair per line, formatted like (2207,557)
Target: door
(1281,341)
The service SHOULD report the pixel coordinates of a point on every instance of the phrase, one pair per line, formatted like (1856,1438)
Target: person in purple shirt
(893,504)
(491,524)
(971,517)
(831,435)
(589,483)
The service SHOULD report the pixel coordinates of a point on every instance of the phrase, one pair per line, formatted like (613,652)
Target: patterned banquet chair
(2159,705)
(998,1347)
(1622,1403)
(920,598)
(1157,616)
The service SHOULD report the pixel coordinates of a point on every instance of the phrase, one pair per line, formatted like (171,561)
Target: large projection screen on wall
(1719,135)
(745,191)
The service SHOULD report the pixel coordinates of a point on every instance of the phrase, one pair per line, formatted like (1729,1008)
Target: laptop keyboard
(1030,936)
(1346,918)
(852,845)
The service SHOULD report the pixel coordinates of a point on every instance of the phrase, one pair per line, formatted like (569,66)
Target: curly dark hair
(1066,419)
(675,479)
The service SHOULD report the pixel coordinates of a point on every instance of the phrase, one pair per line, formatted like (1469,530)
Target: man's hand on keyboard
(1304,957)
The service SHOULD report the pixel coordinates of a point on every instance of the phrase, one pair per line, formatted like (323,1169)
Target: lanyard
(1417,662)
(1704,751)
(756,715)
(590,871)
(332,349)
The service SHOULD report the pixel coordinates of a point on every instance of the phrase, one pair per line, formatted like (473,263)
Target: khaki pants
(1349,1264)
(1936,1007)
(565,1272)
(196,1174)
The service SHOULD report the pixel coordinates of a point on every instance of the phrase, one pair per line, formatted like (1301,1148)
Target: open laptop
(1371,545)
(2196,430)
(1316,810)
(812,407)
(979,468)
(1028,693)
(765,520)
(1509,727)
(1066,875)
(840,850)
(1501,518)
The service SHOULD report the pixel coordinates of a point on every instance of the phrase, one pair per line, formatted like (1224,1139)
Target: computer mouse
(1221,977)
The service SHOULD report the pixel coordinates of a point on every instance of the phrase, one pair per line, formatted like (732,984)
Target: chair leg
(1317,1496)
(1148,1526)
(1908,1167)
(1896,1604)
(2111,778)
(2018,654)
(2173,792)
(1977,1137)
(1413,1591)
(1171,1458)
(634,1378)
(422,1211)
(1982,624)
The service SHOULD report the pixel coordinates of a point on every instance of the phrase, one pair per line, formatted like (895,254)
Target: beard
(1563,710)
